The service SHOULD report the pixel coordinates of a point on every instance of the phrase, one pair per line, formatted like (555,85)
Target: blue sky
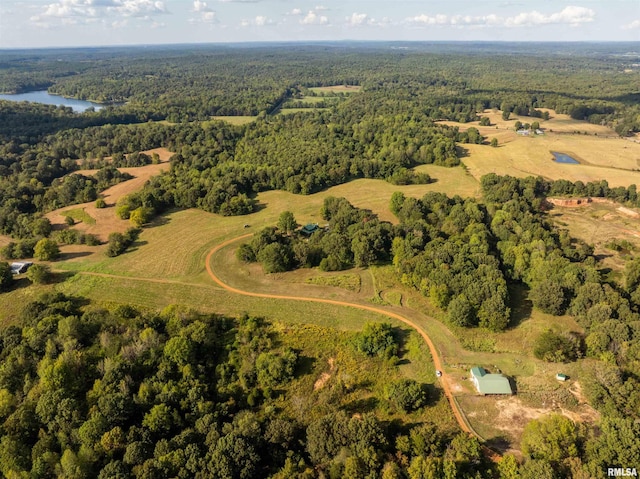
(51,23)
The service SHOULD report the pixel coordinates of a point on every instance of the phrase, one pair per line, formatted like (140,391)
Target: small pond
(43,96)
(564,158)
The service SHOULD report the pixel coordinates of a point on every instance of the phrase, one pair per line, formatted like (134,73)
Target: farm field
(181,239)
(601,153)
(600,224)
(337,89)
(235,120)
(104,219)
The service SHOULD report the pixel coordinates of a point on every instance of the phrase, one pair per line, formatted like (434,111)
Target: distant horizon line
(324,42)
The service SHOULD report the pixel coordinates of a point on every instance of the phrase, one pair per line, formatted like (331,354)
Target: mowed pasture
(602,155)
(336,89)
(175,246)
(105,220)
(235,120)
(599,224)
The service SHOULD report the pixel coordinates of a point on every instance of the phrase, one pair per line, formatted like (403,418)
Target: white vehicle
(438,373)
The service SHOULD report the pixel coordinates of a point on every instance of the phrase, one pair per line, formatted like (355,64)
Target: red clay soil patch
(106,220)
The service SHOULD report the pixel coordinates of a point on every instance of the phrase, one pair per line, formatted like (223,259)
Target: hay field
(337,89)
(105,220)
(599,224)
(616,160)
(601,153)
(175,248)
(235,120)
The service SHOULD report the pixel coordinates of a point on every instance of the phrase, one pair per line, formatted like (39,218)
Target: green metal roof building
(489,383)
(309,229)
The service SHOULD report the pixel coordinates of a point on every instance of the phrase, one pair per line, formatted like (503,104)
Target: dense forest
(88,391)
(381,132)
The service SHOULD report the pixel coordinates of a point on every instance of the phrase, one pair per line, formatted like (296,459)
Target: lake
(564,158)
(45,97)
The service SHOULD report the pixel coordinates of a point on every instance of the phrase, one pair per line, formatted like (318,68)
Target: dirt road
(434,353)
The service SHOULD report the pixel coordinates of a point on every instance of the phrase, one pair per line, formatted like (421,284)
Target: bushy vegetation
(90,392)
(120,242)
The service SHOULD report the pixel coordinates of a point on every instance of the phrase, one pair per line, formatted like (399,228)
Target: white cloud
(428,20)
(199,6)
(320,8)
(258,21)
(89,11)
(570,15)
(295,12)
(632,26)
(312,18)
(207,15)
(357,19)
(135,8)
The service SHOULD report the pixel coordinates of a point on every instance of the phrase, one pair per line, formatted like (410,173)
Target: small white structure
(561,377)
(21,267)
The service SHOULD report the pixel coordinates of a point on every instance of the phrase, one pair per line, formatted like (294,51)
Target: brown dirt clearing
(325,376)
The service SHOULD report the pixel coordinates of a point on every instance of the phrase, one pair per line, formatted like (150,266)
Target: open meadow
(601,153)
(613,230)
(336,89)
(102,221)
(235,120)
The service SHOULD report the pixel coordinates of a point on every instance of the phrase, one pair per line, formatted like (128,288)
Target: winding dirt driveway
(434,353)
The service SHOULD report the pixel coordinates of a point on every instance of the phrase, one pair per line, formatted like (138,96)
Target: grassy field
(235,120)
(290,111)
(600,224)
(105,220)
(337,89)
(180,240)
(79,214)
(601,153)
(338,375)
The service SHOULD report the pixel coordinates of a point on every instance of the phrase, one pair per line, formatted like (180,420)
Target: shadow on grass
(401,336)
(77,254)
(520,304)
(135,246)
(19,283)
(499,443)
(305,365)
(362,405)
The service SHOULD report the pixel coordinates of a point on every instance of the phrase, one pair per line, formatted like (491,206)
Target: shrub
(6,277)
(377,339)
(406,395)
(141,216)
(554,347)
(245,253)
(46,250)
(39,274)
(118,242)
(101,203)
